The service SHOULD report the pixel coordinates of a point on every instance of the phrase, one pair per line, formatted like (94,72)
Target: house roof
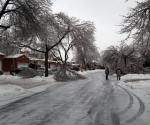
(15,56)
(2,53)
(75,64)
(41,60)
(34,58)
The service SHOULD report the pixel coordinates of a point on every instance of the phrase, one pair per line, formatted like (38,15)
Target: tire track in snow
(130,103)
(141,108)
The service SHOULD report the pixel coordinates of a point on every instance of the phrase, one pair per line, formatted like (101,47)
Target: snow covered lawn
(139,84)
(13,86)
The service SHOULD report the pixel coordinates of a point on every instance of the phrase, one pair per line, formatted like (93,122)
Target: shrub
(28,73)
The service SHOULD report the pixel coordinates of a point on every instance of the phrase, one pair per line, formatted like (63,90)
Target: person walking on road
(106,72)
(118,73)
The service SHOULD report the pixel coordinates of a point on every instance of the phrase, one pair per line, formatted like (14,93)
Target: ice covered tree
(72,41)
(22,17)
(118,56)
(137,25)
(86,51)
(126,51)
(111,57)
(23,21)
(58,28)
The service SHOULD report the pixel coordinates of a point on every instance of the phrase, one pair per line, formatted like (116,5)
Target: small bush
(28,73)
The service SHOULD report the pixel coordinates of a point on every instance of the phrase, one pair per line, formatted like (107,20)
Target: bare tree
(22,15)
(126,52)
(61,52)
(137,25)
(9,49)
(23,20)
(137,61)
(86,51)
(116,56)
(86,54)
(71,42)
(111,57)
(58,28)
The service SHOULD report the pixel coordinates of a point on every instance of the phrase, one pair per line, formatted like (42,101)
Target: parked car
(147,68)
(75,67)
(42,70)
(33,66)
(53,69)
(30,73)
(16,71)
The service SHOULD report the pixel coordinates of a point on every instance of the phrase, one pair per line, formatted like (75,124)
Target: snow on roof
(16,56)
(41,59)
(49,60)
(2,53)
(52,61)
(75,64)
(34,58)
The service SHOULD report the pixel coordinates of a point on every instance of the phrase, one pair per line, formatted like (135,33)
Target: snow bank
(136,76)
(20,80)
(137,82)
(49,79)
(90,71)
(141,88)
(8,77)
(10,91)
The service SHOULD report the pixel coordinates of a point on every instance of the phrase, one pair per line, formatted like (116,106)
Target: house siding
(12,63)
(1,57)
(52,64)
(1,62)
(23,59)
(9,64)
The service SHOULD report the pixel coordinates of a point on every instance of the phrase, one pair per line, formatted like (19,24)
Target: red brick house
(41,62)
(52,64)
(1,60)
(14,62)
(26,53)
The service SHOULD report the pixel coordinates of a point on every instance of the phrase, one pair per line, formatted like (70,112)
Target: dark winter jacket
(107,70)
(118,72)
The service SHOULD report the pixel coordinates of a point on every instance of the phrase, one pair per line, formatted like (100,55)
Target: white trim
(20,64)
(16,56)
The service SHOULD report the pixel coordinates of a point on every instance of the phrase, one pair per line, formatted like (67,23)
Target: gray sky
(106,15)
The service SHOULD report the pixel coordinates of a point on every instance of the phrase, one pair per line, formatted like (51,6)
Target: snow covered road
(82,102)
(93,101)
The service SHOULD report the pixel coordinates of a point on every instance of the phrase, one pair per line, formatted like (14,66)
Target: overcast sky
(106,15)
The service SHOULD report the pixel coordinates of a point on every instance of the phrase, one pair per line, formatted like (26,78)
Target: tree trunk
(46,64)
(84,65)
(125,62)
